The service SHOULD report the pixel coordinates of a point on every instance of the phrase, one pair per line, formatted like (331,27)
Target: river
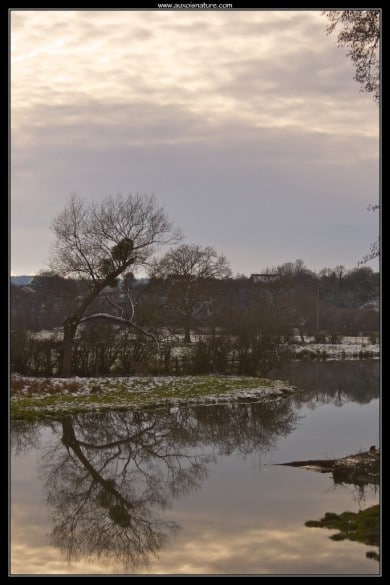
(197,489)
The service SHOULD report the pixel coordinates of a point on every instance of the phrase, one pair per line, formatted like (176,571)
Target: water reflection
(24,436)
(332,381)
(109,479)
(362,526)
(107,476)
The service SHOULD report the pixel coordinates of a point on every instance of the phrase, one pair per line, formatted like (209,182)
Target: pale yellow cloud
(265,68)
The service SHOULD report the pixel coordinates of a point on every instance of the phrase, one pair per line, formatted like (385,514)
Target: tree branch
(122,321)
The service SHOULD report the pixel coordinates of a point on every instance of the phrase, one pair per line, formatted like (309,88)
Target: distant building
(255,278)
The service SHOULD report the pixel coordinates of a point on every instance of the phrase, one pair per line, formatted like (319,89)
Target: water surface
(195,490)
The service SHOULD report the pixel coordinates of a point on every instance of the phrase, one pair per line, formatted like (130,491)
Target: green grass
(37,398)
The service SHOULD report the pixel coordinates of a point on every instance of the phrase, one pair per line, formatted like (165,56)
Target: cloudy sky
(246,125)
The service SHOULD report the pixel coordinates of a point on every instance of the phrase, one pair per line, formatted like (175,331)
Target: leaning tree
(98,242)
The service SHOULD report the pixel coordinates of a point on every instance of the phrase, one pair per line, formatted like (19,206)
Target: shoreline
(35,398)
(40,398)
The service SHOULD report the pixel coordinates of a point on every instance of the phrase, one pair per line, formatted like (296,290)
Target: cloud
(221,107)
(111,57)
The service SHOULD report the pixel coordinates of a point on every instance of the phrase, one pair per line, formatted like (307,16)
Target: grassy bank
(40,398)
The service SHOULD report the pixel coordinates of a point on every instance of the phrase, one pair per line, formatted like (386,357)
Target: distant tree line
(100,320)
(202,319)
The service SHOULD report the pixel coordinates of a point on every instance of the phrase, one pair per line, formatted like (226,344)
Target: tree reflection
(24,435)
(336,382)
(246,427)
(105,479)
(108,477)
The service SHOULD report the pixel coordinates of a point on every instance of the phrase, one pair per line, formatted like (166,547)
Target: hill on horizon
(22,279)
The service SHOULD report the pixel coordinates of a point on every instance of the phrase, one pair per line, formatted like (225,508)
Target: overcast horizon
(246,125)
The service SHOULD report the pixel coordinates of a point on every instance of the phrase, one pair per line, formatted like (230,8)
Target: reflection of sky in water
(258,525)
(327,432)
(245,519)
(247,516)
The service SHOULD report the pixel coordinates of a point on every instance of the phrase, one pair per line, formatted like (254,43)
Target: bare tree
(99,241)
(188,270)
(359,32)
(339,271)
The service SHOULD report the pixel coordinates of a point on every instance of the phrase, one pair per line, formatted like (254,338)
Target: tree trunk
(67,348)
(73,321)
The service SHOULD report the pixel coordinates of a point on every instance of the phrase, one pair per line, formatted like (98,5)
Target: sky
(247,126)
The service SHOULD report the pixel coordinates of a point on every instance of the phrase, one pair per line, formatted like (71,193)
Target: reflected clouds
(263,552)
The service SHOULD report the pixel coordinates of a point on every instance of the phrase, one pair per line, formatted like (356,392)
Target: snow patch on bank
(58,396)
(348,348)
